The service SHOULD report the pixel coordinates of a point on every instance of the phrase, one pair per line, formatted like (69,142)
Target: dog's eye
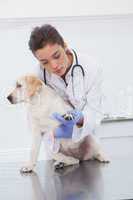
(18,85)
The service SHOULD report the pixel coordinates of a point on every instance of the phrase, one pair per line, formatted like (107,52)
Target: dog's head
(26,87)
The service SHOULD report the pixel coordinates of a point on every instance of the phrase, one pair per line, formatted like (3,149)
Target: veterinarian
(76,77)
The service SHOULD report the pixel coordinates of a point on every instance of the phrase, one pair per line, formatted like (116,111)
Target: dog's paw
(26,169)
(102,158)
(105,160)
(59,165)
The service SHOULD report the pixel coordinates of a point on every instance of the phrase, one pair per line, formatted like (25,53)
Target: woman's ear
(65,46)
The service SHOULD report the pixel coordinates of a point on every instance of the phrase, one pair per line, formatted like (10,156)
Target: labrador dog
(42,101)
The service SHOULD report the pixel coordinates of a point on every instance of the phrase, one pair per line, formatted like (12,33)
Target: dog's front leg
(36,143)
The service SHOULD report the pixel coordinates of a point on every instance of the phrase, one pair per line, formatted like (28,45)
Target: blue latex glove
(65,128)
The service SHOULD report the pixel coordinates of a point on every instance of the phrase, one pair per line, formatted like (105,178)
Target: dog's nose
(10,98)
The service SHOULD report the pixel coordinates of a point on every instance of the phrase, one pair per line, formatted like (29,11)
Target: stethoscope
(77,65)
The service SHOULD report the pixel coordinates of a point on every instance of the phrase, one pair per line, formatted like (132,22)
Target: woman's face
(53,58)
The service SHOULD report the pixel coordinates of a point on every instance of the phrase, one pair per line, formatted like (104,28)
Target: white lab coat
(90,87)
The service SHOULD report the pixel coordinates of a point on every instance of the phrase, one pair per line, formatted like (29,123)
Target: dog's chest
(42,118)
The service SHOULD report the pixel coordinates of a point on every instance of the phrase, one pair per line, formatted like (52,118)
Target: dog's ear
(33,85)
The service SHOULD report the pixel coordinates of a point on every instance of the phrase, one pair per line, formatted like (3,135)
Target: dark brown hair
(43,35)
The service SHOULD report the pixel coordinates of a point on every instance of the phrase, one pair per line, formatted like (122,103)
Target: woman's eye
(44,63)
(57,56)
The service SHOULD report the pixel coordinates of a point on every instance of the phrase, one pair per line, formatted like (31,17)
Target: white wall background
(43,8)
(108,39)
